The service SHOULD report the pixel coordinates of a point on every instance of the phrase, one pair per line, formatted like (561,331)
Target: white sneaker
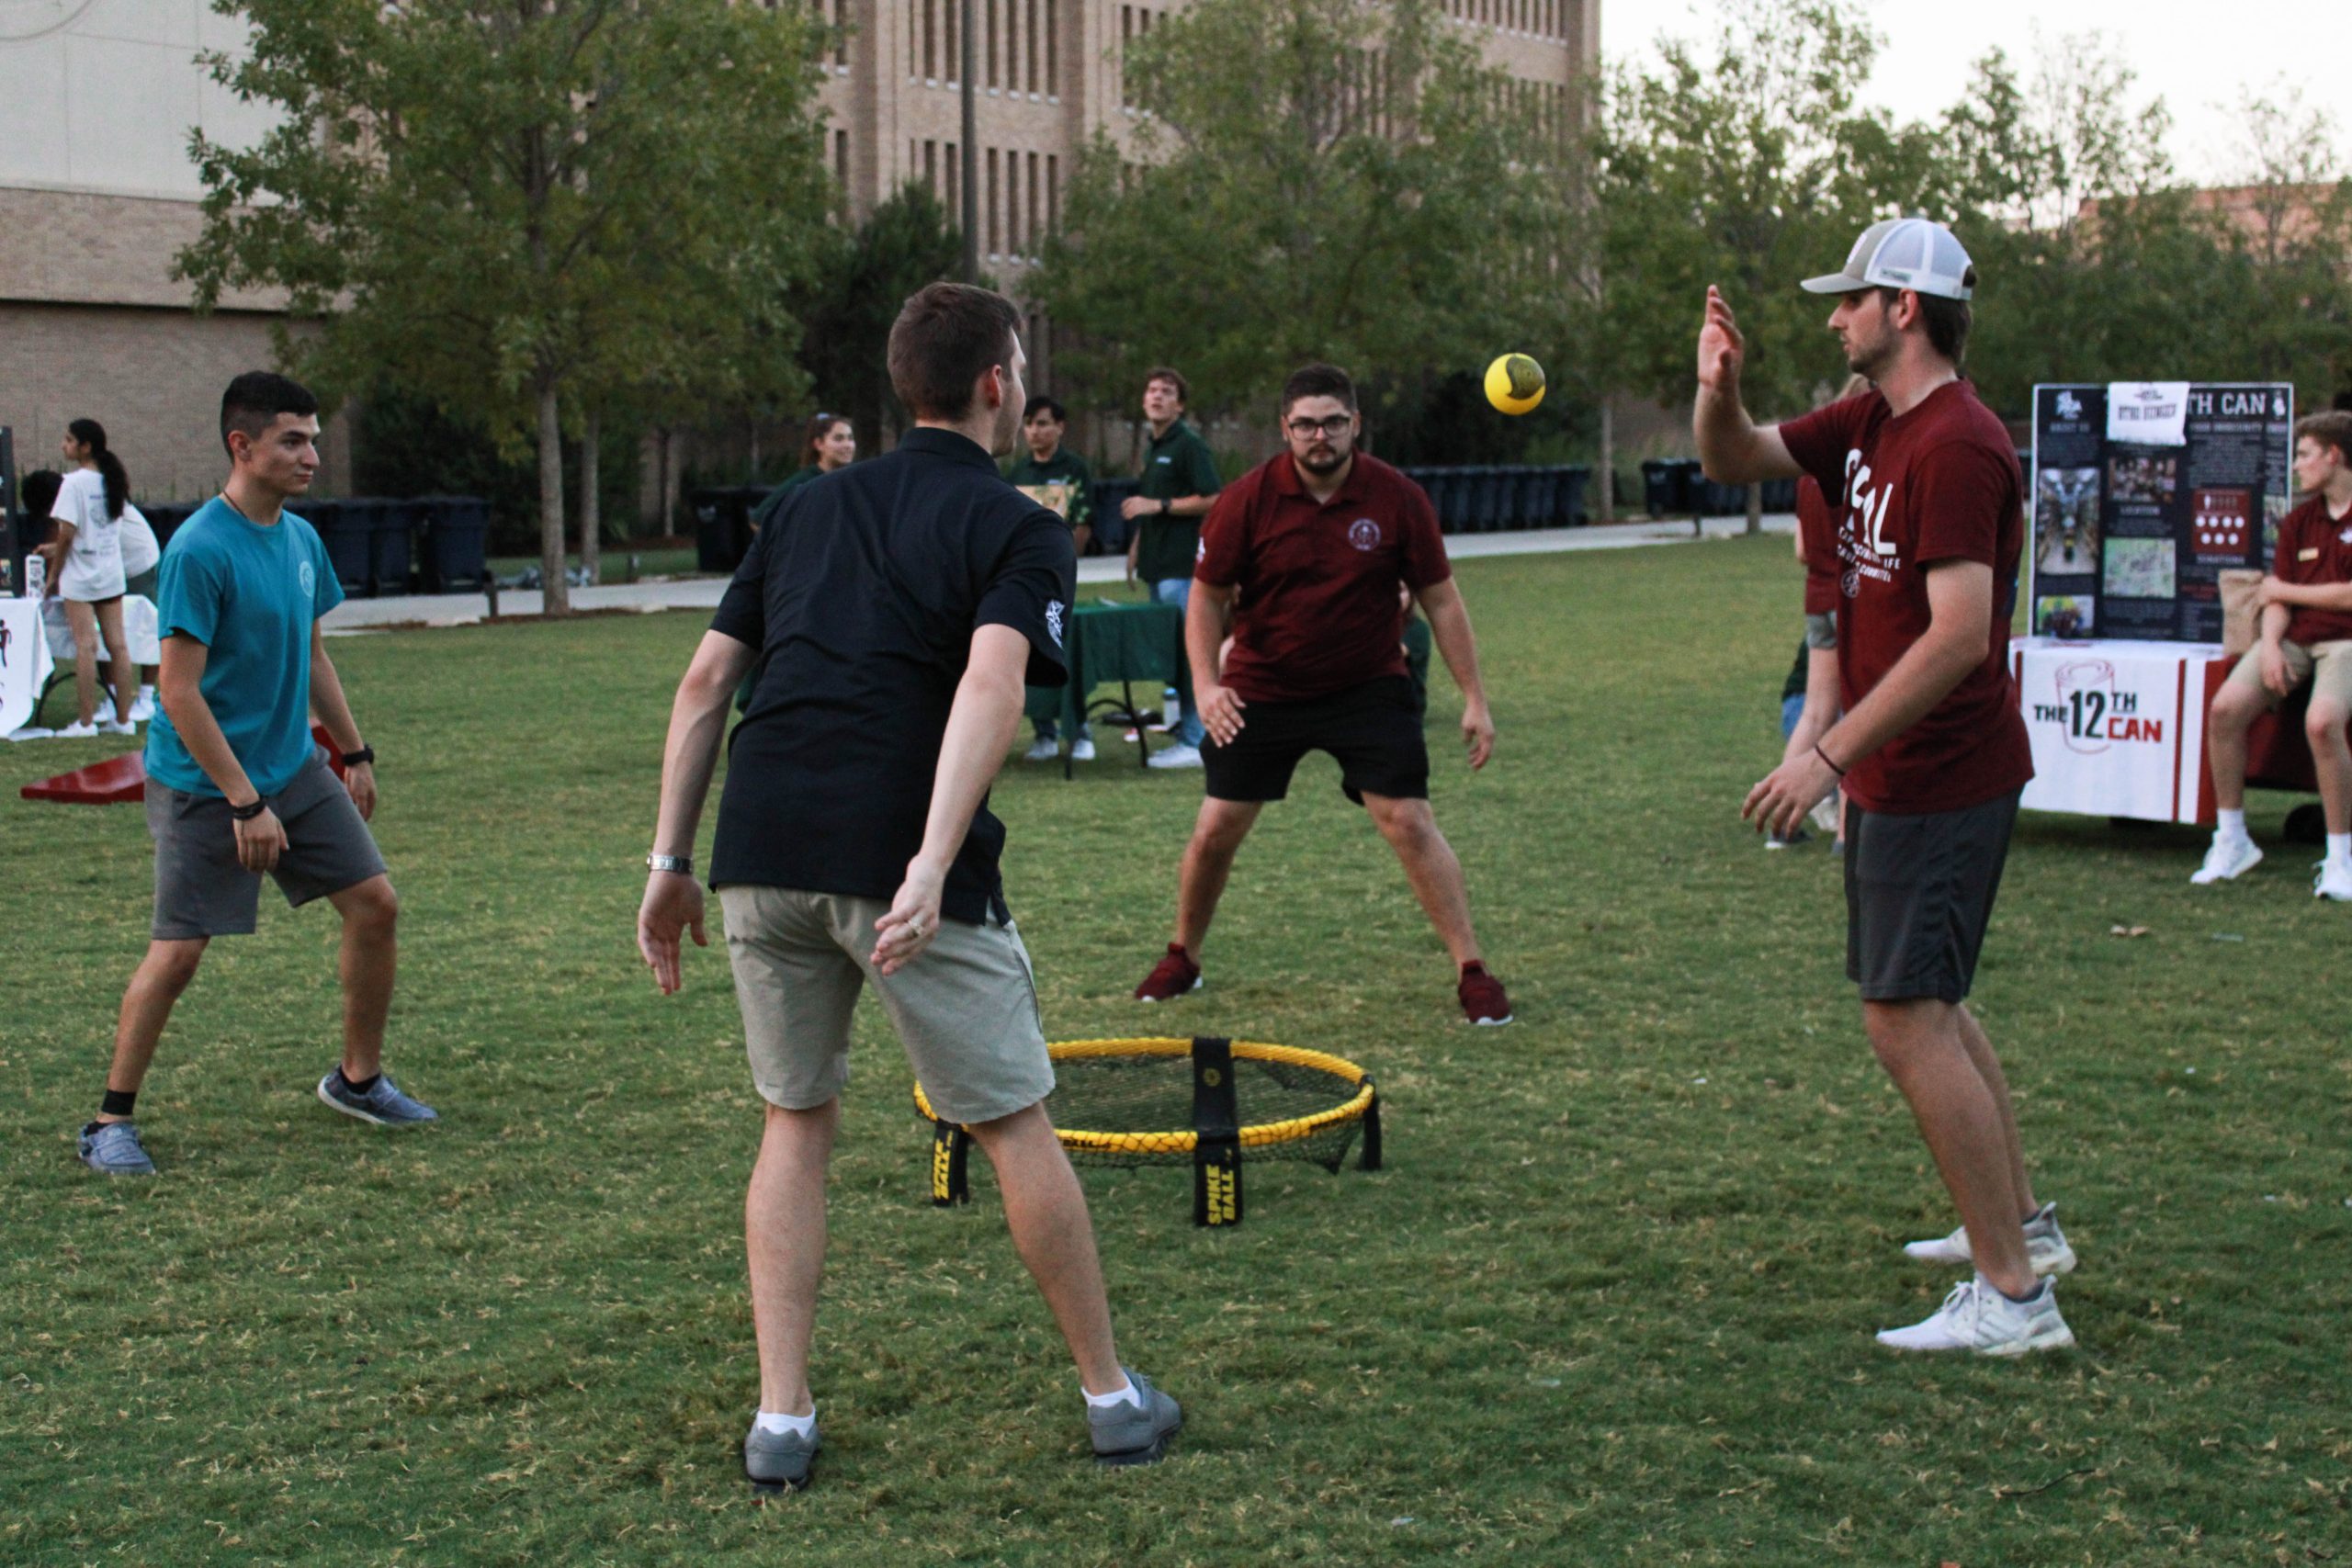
(1177,756)
(142,707)
(2045,1246)
(2333,881)
(1824,813)
(1042,750)
(2229,859)
(1082,750)
(1977,1317)
(117,726)
(77,731)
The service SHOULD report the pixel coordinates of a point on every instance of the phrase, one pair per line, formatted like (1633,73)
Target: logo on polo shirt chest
(2344,537)
(1364,534)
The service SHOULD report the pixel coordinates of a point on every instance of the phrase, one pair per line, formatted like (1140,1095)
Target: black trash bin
(455,549)
(1718,500)
(1517,484)
(342,528)
(1666,487)
(1780,495)
(1543,498)
(722,528)
(392,536)
(1111,531)
(166,517)
(1568,505)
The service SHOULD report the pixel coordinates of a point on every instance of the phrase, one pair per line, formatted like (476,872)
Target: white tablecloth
(2118,726)
(24,661)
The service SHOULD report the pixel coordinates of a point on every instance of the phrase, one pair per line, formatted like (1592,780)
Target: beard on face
(1322,459)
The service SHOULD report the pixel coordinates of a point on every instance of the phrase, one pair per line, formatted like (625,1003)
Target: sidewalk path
(703,592)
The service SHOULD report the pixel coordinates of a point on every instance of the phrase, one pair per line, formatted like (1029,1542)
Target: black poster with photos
(2142,493)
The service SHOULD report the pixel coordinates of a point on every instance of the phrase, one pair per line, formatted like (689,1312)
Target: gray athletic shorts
(201,891)
(1919,894)
(966,1009)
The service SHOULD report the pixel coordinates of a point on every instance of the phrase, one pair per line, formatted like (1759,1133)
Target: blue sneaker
(112,1148)
(383,1103)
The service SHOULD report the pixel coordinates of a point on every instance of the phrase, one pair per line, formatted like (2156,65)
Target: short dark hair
(1044,404)
(1319,381)
(1947,321)
(255,398)
(37,492)
(2329,427)
(1175,378)
(946,337)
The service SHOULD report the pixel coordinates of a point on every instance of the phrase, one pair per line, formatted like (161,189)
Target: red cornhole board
(121,780)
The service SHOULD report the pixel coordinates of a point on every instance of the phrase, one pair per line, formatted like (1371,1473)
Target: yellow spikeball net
(1167,1102)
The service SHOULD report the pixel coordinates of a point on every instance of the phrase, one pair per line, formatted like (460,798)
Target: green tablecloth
(1109,643)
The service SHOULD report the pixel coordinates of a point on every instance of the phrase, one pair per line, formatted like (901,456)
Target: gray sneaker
(112,1148)
(1135,1434)
(383,1103)
(777,1462)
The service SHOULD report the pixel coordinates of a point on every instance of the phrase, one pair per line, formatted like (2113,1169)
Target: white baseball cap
(1903,253)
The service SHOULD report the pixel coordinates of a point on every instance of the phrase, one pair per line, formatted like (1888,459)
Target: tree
(520,208)
(904,243)
(1310,179)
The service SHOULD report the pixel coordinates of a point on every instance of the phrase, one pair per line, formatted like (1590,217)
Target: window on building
(995,245)
(841,157)
(930,166)
(990,41)
(1053,194)
(951,67)
(955,187)
(1029,19)
(1127,41)
(930,39)
(1012,202)
(1032,204)
(1053,49)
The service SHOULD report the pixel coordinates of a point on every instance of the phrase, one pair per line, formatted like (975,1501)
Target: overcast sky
(2201,58)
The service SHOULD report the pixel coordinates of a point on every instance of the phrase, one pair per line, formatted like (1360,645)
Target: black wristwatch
(1167,507)
(247,813)
(365,754)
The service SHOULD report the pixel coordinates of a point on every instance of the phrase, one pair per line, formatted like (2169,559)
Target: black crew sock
(119,1102)
(2031,1295)
(359,1086)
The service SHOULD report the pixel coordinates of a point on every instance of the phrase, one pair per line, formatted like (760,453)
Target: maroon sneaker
(1482,996)
(1174,976)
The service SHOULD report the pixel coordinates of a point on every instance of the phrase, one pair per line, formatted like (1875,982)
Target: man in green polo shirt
(1057,479)
(1179,483)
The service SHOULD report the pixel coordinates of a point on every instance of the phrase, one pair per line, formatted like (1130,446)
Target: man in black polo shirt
(901,606)
(1178,486)
(1312,544)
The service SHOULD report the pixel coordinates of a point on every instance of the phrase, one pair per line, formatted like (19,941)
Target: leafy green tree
(521,210)
(1310,179)
(905,242)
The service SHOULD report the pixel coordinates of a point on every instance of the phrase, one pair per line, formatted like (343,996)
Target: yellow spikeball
(1515,383)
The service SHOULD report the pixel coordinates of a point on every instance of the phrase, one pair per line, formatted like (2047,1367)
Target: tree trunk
(557,594)
(591,517)
(1604,502)
(1756,509)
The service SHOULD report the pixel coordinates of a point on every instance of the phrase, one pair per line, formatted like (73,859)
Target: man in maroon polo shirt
(1301,560)
(1931,748)
(2306,636)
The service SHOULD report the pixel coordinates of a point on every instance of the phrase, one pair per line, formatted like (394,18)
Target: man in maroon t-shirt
(1301,560)
(1931,748)
(2306,636)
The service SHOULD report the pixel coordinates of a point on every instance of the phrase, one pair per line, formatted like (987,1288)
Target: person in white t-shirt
(85,556)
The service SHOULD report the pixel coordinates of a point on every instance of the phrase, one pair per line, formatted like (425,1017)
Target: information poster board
(2143,492)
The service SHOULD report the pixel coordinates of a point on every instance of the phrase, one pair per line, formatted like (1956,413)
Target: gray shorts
(1918,894)
(966,1009)
(201,891)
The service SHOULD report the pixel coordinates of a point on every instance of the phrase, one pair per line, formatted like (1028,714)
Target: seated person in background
(2306,606)
(1060,481)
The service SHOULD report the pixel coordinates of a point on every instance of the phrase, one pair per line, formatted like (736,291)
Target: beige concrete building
(97,193)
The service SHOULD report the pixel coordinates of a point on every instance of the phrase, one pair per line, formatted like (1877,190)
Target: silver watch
(683,864)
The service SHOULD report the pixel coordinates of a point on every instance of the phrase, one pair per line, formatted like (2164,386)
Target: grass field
(1609,1302)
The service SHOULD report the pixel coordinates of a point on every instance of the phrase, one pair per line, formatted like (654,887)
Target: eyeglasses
(1338,425)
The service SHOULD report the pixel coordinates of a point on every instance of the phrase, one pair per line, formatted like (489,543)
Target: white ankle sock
(2229,824)
(2339,848)
(768,1421)
(1123,1395)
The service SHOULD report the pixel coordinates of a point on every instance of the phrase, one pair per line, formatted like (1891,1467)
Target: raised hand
(1722,350)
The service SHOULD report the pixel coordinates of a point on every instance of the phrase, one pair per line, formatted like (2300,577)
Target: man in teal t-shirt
(235,786)
(1179,485)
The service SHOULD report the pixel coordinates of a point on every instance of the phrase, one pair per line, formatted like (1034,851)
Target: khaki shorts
(966,1009)
(2327,665)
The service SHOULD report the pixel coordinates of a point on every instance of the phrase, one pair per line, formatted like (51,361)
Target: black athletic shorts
(1373,729)
(1918,893)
